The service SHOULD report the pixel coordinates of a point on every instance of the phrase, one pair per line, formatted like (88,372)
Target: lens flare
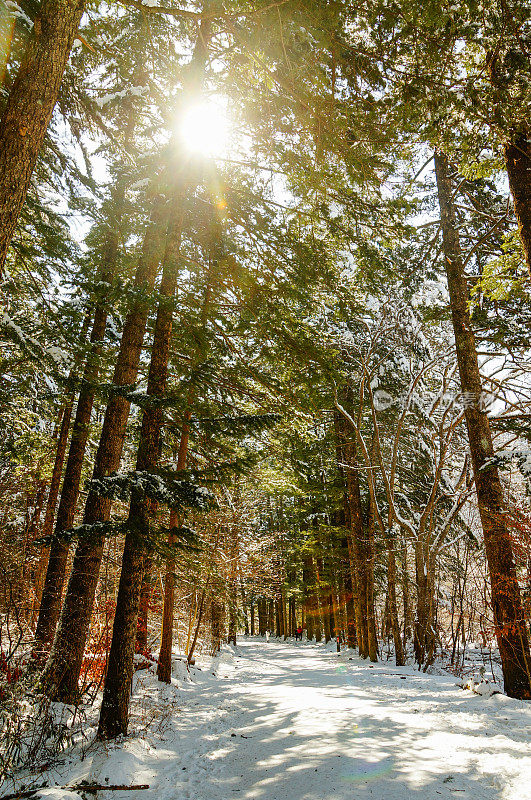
(204,128)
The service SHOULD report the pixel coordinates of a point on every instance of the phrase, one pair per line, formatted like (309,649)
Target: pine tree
(511,631)
(30,105)
(114,711)
(107,270)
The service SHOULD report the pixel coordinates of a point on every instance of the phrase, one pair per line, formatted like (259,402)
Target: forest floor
(296,721)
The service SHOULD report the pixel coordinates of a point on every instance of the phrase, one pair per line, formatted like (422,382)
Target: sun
(204,128)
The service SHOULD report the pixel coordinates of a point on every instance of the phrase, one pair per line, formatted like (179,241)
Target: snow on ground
(296,721)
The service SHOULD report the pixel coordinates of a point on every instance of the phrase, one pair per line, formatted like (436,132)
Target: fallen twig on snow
(80,787)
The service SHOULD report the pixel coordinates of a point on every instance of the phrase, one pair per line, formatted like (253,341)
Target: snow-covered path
(298,722)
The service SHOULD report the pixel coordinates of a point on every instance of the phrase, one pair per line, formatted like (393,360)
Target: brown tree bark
(141,642)
(202,601)
(232,587)
(317,626)
(262,617)
(50,606)
(368,555)
(292,628)
(283,616)
(424,622)
(349,605)
(331,614)
(393,608)
(265,617)
(405,593)
(23,583)
(352,604)
(200,612)
(245,611)
(115,704)
(217,617)
(308,580)
(231,634)
(324,598)
(30,105)
(511,631)
(53,494)
(517,154)
(166,638)
(271,617)
(385,624)
(335,619)
(62,671)
(355,533)
(516,151)
(164,662)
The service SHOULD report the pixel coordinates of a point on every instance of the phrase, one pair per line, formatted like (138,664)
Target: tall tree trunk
(166,636)
(190,656)
(231,635)
(115,703)
(356,539)
(32,528)
(343,613)
(53,494)
(324,597)
(164,662)
(350,607)
(405,593)
(244,611)
(146,589)
(259,617)
(421,617)
(346,460)
(346,457)
(517,148)
(283,615)
(217,615)
(56,571)
(251,609)
(233,586)
(292,627)
(308,580)
(318,630)
(30,105)
(385,624)
(511,630)
(262,617)
(431,635)
(518,163)
(335,619)
(368,554)
(166,639)
(332,615)
(393,609)
(62,671)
